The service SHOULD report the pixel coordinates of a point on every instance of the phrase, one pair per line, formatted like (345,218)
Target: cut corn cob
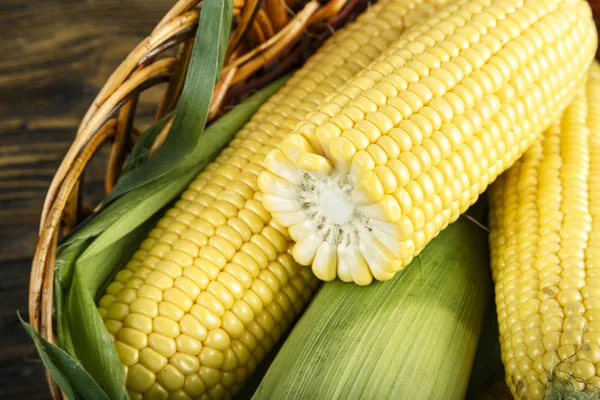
(214,286)
(405,147)
(545,242)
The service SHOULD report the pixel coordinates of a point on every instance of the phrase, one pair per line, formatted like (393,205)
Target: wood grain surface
(54,57)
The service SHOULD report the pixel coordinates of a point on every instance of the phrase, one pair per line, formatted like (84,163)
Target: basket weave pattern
(269,37)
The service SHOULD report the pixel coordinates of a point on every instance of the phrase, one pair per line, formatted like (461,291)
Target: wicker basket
(268,39)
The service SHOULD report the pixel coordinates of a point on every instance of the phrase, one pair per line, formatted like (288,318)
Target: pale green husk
(413,337)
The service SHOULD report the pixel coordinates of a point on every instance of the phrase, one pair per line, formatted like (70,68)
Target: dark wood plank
(55,57)
(21,372)
(50,71)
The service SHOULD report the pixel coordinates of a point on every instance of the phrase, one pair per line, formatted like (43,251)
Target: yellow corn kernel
(544,232)
(152,360)
(470,96)
(139,379)
(170,378)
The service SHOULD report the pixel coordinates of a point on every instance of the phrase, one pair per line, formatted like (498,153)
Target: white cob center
(333,232)
(327,200)
(335,206)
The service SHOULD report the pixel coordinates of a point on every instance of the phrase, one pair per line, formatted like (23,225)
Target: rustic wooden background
(54,57)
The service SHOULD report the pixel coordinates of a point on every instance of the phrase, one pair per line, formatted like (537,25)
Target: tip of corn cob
(338,216)
(407,145)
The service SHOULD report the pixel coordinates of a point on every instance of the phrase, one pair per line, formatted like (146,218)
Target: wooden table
(54,57)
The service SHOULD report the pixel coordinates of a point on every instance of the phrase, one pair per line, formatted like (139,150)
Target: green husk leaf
(88,338)
(68,374)
(141,149)
(413,337)
(65,260)
(93,345)
(192,110)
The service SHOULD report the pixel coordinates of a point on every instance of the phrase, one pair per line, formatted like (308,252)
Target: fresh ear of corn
(414,337)
(213,286)
(545,243)
(407,145)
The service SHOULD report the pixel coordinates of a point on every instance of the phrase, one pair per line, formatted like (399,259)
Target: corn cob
(213,286)
(407,145)
(545,241)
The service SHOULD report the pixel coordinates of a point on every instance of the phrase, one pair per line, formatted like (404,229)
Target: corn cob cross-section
(545,243)
(213,287)
(405,147)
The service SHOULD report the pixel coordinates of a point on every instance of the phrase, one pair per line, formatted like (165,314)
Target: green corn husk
(414,337)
